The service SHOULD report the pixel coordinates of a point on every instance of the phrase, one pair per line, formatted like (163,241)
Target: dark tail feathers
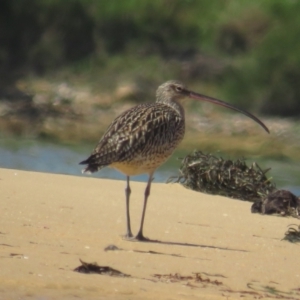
(91,168)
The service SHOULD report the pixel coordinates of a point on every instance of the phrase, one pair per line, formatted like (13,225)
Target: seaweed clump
(94,268)
(215,175)
(293,234)
(280,202)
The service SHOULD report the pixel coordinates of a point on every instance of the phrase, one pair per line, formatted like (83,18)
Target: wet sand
(201,246)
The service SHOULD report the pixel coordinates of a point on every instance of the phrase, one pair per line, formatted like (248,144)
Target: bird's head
(174,90)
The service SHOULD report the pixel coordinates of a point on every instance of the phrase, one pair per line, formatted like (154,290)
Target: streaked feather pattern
(142,137)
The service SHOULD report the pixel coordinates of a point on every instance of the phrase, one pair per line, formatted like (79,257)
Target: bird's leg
(140,235)
(127,193)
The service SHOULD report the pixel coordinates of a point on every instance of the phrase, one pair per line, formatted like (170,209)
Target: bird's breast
(142,139)
(143,164)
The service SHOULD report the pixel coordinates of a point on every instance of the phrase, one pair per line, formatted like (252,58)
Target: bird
(143,137)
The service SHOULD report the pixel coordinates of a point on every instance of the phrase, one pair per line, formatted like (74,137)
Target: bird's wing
(135,132)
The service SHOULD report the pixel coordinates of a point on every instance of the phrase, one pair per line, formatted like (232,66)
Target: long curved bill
(224,104)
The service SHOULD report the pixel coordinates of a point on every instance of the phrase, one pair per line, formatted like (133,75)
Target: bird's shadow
(147,240)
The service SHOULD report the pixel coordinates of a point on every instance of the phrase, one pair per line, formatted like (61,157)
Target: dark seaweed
(281,202)
(88,268)
(231,178)
(293,234)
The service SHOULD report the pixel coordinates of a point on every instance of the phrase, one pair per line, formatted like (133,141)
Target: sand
(203,246)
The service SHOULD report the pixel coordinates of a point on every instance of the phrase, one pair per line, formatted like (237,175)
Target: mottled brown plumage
(137,141)
(144,137)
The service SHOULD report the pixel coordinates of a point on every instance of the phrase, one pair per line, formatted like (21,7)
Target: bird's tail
(91,166)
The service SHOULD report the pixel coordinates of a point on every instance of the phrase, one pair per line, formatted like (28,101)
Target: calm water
(52,158)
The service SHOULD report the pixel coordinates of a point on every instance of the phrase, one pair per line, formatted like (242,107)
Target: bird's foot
(140,237)
(128,236)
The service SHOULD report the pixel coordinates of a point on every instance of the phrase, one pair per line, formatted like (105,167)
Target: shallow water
(33,155)
(39,156)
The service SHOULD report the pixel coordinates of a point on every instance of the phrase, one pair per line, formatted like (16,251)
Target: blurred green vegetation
(239,50)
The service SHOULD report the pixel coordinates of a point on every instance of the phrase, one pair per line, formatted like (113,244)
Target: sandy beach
(201,246)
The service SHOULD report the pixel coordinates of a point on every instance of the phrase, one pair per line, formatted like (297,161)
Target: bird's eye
(178,89)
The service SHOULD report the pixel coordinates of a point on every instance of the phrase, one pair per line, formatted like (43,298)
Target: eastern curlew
(144,137)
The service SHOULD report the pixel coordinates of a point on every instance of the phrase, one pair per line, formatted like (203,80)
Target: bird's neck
(176,106)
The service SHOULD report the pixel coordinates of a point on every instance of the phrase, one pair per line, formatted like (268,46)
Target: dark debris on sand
(94,268)
(293,234)
(189,279)
(235,179)
(280,202)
